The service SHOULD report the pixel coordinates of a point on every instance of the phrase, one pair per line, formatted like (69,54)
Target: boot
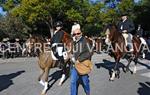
(131,48)
(61,62)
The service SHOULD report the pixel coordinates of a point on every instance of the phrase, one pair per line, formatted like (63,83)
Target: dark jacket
(126,25)
(57,37)
(81,50)
(140,32)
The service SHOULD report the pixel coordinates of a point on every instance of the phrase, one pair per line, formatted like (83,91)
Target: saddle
(55,55)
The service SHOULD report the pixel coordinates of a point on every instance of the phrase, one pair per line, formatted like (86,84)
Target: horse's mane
(115,32)
(67,37)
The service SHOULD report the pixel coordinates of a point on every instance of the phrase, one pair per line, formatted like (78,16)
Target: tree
(13,27)
(40,15)
(37,11)
(8,5)
(142,12)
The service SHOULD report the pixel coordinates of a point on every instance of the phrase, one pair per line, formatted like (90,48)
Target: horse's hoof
(43,94)
(42,83)
(59,84)
(111,80)
(124,70)
(127,70)
(133,72)
(117,76)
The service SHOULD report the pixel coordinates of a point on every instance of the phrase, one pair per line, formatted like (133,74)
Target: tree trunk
(51,30)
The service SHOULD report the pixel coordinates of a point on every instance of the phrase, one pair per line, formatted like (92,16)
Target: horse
(46,60)
(99,44)
(27,50)
(119,49)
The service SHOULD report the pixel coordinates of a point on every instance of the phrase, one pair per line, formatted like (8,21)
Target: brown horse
(45,57)
(119,50)
(99,44)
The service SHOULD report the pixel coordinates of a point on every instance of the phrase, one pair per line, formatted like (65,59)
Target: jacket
(140,33)
(81,50)
(57,37)
(126,25)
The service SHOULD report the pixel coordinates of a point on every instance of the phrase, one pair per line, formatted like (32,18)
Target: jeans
(74,82)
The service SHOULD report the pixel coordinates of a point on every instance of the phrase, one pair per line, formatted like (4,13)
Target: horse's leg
(135,69)
(46,81)
(64,72)
(127,67)
(117,75)
(116,71)
(40,77)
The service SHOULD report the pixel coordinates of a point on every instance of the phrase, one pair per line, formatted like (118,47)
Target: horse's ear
(30,35)
(114,27)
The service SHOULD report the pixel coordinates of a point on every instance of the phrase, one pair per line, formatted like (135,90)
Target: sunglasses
(76,34)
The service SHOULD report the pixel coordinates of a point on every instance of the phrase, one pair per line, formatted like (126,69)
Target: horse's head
(34,43)
(91,42)
(110,32)
(30,44)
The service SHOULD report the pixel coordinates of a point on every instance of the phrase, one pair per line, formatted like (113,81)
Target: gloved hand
(73,59)
(54,44)
(124,31)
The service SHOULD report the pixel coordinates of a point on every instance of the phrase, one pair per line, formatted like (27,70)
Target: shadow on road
(147,56)
(6,80)
(147,66)
(144,88)
(56,76)
(109,65)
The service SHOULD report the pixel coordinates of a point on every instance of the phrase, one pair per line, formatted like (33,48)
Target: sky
(1,11)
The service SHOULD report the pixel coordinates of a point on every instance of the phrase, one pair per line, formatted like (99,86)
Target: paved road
(19,77)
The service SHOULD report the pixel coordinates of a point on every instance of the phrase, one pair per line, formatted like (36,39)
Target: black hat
(58,24)
(124,14)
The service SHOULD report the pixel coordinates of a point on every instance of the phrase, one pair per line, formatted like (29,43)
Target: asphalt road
(19,77)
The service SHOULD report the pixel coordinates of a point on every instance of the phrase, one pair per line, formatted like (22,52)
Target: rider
(126,26)
(57,44)
(139,31)
(140,34)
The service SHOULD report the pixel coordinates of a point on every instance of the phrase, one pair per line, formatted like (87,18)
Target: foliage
(142,12)
(40,15)
(13,27)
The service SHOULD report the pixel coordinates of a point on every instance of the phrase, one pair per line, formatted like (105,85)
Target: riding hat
(58,24)
(124,14)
